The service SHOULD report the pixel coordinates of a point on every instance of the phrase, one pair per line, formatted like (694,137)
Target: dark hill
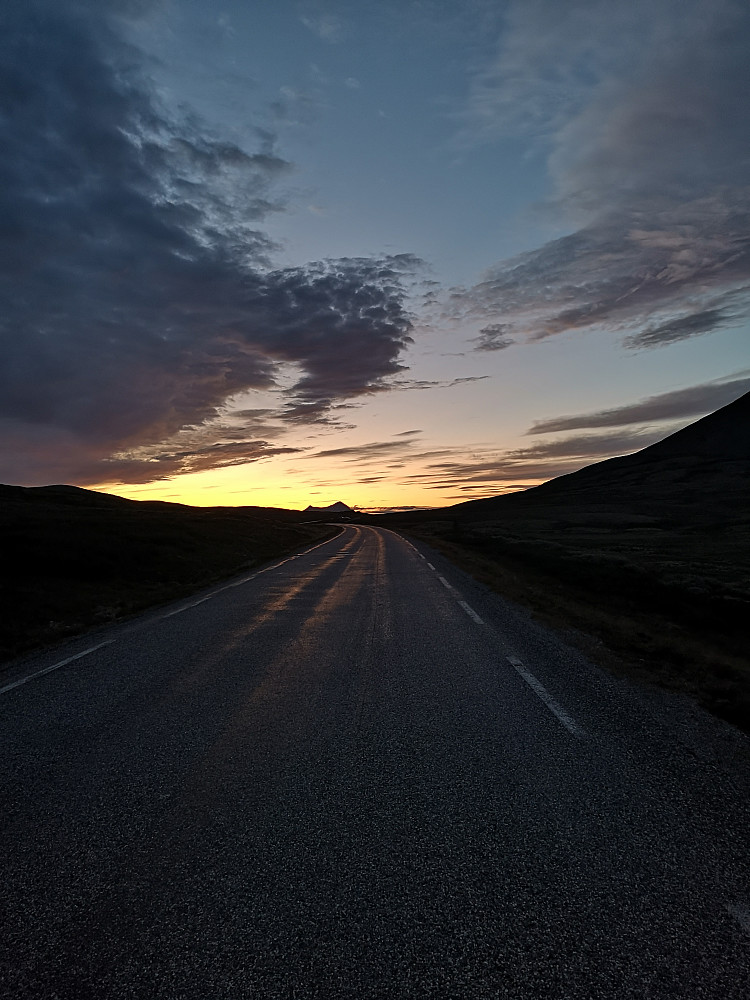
(649,553)
(705,464)
(73,557)
(62,496)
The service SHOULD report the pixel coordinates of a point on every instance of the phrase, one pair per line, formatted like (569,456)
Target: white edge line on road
(539,690)
(546,697)
(55,666)
(169,614)
(245,579)
(741,914)
(471,612)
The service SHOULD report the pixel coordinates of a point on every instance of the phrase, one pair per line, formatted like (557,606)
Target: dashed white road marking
(546,697)
(469,610)
(539,690)
(741,914)
(471,613)
(55,666)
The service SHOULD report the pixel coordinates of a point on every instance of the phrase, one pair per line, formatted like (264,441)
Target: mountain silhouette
(704,465)
(339,507)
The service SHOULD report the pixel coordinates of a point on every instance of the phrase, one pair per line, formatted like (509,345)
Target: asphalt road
(357,774)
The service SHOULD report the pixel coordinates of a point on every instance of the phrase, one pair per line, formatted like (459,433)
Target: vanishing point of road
(358,774)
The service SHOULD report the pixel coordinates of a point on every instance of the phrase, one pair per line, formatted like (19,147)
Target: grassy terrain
(664,600)
(643,559)
(74,558)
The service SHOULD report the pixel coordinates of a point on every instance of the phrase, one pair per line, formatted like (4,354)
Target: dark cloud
(692,325)
(365,452)
(694,401)
(59,455)
(494,473)
(164,464)
(383,453)
(137,291)
(590,446)
(487,472)
(641,111)
(611,275)
(408,385)
(493,337)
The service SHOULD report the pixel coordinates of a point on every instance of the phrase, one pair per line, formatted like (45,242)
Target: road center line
(546,697)
(55,666)
(445,582)
(430,565)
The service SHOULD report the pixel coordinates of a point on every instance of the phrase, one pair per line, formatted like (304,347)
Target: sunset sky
(407,252)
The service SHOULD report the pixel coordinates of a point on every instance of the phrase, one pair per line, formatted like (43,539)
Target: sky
(398,254)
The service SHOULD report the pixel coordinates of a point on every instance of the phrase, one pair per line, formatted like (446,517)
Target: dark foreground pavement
(356,776)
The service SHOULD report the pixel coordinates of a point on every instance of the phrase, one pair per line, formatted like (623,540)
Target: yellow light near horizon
(185,490)
(296,482)
(237,486)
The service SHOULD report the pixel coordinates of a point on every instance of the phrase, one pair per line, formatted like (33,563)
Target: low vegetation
(644,560)
(664,600)
(73,558)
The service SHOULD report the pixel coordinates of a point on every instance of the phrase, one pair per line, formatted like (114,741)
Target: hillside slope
(648,555)
(705,464)
(73,558)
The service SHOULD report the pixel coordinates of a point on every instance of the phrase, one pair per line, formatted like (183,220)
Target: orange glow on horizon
(250,486)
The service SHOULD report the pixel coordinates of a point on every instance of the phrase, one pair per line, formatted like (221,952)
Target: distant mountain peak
(339,507)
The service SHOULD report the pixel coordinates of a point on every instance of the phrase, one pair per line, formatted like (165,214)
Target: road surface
(357,774)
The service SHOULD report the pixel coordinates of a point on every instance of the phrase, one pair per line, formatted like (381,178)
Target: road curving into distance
(358,774)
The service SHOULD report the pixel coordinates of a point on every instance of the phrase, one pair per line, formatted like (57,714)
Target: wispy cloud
(327,26)
(640,109)
(365,452)
(494,337)
(697,400)
(488,472)
(409,385)
(153,465)
(624,430)
(589,446)
(476,471)
(682,327)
